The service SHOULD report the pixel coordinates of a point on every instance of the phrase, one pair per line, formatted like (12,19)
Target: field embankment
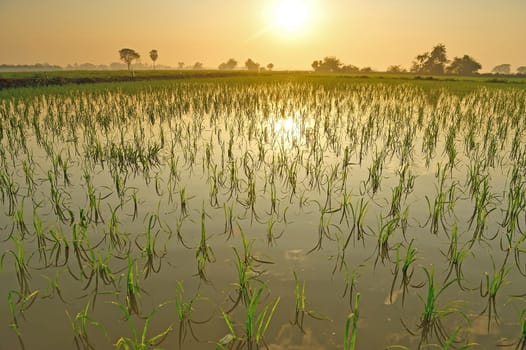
(58,78)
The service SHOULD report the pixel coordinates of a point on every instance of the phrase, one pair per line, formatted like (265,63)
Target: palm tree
(153,56)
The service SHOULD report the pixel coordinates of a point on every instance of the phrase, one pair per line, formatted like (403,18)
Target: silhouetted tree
(329,64)
(521,70)
(270,66)
(466,65)
(251,65)
(180,65)
(366,70)
(229,65)
(198,65)
(349,68)
(433,62)
(153,56)
(128,55)
(396,69)
(502,69)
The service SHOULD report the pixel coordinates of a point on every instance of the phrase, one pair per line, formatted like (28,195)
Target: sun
(291,16)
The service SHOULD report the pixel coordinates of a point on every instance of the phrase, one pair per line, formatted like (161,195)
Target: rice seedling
(350,335)
(324,228)
(81,248)
(375,172)
(94,201)
(99,271)
(301,311)
(385,232)
(149,250)
(452,342)
(272,235)
(9,191)
(23,303)
(80,165)
(80,324)
(407,271)
(455,257)
(19,223)
(516,199)
(204,253)
(255,326)
(491,288)
(184,313)
(60,247)
(442,204)
(431,320)
(28,166)
(351,279)
(183,202)
(133,290)
(345,206)
(21,265)
(140,339)
(230,340)
(117,241)
(521,343)
(483,200)
(229,220)
(53,288)
(58,200)
(179,221)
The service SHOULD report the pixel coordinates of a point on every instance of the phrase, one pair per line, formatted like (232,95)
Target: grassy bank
(39,79)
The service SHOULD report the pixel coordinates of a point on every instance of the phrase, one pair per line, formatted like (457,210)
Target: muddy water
(275,157)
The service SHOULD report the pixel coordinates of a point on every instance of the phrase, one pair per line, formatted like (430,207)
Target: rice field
(285,212)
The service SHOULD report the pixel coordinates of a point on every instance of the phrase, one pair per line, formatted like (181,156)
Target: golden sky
(375,33)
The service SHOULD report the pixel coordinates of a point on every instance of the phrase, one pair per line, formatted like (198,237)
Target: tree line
(434,62)
(129,55)
(231,64)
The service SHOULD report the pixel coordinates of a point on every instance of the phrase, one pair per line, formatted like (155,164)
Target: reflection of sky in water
(289,149)
(293,129)
(289,337)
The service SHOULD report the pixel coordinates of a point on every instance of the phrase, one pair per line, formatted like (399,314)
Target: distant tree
(396,69)
(198,65)
(180,65)
(366,70)
(128,55)
(262,69)
(433,62)
(251,65)
(270,66)
(117,65)
(521,70)
(329,64)
(466,65)
(231,64)
(153,56)
(419,63)
(502,69)
(350,69)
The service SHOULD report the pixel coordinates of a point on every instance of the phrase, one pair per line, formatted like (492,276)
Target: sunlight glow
(291,130)
(291,16)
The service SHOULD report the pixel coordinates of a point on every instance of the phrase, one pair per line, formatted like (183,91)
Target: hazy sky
(374,33)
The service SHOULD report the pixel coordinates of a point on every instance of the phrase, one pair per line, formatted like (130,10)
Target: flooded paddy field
(280,213)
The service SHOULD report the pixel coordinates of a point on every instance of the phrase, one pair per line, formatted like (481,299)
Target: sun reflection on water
(291,130)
